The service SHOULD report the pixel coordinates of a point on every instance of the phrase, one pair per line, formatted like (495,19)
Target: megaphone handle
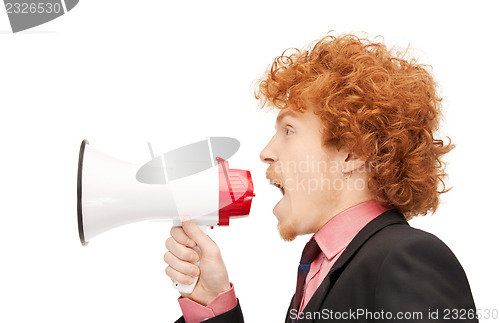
(188,289)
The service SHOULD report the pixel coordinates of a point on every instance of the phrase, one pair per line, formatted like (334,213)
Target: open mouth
(278,185)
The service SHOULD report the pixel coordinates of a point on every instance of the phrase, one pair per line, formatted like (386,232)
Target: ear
(352,163)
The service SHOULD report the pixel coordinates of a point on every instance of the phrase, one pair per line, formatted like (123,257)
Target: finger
(194,232)
(181,237)
(178,277)
(180,251)
(183,267)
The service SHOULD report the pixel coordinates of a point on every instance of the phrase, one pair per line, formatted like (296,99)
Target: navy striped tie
(311,251)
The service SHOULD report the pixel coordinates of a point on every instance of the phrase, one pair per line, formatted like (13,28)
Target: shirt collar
(337,233)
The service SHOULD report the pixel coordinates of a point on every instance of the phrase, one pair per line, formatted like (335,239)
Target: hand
(212,272)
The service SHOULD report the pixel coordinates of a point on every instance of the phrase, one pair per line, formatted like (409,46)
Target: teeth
(277,184)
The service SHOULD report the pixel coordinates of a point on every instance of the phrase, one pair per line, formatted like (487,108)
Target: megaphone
(193,180)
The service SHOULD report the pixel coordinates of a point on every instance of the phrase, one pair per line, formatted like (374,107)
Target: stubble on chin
(287,231)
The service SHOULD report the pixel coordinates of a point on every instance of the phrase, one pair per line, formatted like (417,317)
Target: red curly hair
(375,103)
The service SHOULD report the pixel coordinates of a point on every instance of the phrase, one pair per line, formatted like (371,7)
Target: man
(355,158)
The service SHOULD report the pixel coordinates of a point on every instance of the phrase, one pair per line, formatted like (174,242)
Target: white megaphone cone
(194,180)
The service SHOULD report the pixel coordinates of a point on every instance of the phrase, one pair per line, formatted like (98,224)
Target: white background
(120,73)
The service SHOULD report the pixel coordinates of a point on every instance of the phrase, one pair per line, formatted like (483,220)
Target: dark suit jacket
(389,269)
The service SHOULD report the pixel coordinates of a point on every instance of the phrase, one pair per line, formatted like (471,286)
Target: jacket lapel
(389,217)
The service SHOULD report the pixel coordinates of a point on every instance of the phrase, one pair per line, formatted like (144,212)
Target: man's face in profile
(307,173)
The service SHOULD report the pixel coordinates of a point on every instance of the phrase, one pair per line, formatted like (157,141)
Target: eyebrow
(280,117)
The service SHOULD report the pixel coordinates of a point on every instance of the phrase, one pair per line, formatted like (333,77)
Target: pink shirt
(194,312)
(332,238)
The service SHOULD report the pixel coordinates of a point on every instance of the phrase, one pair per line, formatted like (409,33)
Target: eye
(288,131)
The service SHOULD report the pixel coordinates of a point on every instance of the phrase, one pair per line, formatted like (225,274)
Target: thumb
(197,235)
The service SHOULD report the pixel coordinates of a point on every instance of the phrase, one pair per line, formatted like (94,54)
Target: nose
(268,155)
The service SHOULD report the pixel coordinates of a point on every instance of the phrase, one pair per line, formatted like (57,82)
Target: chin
(287,231)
